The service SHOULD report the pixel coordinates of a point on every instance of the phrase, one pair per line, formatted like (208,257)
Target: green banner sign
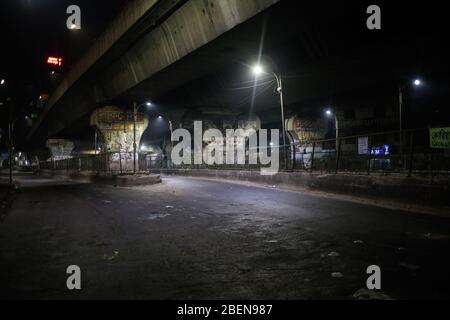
(440,138)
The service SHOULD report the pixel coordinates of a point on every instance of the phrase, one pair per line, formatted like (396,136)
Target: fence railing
(377,152)
(109,162)
(365,154)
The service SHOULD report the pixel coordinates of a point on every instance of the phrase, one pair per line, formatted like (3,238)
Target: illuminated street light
(417,83)
(257,71)
(330,113)
(2,82)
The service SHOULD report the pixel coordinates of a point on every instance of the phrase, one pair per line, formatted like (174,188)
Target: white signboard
(363,145)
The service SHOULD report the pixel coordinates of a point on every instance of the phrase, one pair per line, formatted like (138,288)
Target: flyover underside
(190,27)
(330,58)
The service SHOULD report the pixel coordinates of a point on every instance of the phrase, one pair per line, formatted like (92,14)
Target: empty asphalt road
(202,239)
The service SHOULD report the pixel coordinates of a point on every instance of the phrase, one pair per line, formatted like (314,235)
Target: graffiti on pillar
(60,149)
(111,119)
(116,127)
(306,129)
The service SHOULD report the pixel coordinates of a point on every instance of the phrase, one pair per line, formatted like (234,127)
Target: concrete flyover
(141,43)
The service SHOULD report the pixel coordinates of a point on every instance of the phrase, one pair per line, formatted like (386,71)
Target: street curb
(108,179)
(422,191)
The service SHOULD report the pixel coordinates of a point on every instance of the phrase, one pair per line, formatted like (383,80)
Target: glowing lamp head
(148,104)
(417,82)
(328,112)
(257,70)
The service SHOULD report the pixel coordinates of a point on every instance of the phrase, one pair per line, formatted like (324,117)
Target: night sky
(31,30)
(37,28)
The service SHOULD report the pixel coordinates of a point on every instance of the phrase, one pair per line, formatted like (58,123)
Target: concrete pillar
(115,128)
(60,149)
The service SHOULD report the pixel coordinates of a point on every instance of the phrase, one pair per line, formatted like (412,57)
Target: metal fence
(110,162)
(365,154)
(377,152)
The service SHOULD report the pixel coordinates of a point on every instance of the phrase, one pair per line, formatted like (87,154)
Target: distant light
(148,104)
(160,117)
(271,144)
(2,82)
(55,61)
(328,112)
(73,26)
(417,82)
(143,148)
(257,70)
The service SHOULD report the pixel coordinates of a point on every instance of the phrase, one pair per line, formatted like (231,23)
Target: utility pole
(95,142)
(336,123)
(280,92)
(171,142)
(416,83)
(11,146)
(400,107)
(283,124)
(11,150)
(257,70)
(134,136)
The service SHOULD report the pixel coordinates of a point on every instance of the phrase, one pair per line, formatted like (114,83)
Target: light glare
(257,70)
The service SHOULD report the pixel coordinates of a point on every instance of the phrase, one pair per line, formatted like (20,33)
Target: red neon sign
(54,61)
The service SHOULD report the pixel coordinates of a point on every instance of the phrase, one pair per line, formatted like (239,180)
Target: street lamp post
(135,111)
(171,132)
(336,124)
(95,142)
(11,147)
(417,83)
(171,142)
(400,107)
(257,70)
